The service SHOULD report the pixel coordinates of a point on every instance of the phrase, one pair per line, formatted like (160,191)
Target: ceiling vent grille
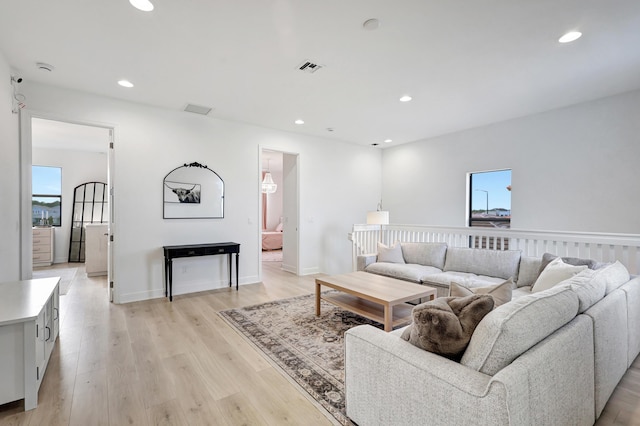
(197,109)
(309,67)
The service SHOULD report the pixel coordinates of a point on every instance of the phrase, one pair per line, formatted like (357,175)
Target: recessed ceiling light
(371,24)
(299,121)
(570,36)
(388,141)
(405,98)
(44,66)
(125,83)
(143,5)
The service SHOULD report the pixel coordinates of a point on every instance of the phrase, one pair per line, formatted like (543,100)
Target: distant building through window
(46,196)
(490,199)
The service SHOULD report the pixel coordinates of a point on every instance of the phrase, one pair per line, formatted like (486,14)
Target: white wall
(573,169)
(150,142)
(77,167)
(9,179)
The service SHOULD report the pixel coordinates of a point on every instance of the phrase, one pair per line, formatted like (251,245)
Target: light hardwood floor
(160,363)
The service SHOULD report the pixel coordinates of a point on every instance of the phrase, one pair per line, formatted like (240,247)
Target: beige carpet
(272,256)
(307,349)
(67,275)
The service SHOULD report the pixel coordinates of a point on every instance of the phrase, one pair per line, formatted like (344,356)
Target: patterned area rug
(309,349)
(66,275)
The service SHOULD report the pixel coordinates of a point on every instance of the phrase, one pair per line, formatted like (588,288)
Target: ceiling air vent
(309,67)
(197,109)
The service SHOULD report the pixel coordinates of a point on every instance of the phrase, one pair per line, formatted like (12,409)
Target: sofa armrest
(364,260)
(389,381)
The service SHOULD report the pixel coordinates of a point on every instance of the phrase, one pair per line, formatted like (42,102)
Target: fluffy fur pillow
(501,293)
(444,326)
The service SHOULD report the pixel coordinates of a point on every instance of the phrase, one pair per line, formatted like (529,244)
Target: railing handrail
(599,245)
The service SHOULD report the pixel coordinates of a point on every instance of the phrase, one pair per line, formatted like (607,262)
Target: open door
(290,221)
(110,264)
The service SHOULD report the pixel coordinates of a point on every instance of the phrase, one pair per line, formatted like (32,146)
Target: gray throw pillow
(444,326)
(575,261)
(391,254)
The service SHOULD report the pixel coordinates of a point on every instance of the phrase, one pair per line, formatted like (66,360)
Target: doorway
(279,206)
(83,153)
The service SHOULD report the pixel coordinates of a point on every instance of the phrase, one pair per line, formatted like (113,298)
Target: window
(490,199)
(46,195)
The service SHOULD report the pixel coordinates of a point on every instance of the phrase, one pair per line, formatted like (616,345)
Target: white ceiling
(466,63)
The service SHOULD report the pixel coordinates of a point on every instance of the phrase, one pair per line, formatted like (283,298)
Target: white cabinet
(29,325)
(43,246)
(95,257)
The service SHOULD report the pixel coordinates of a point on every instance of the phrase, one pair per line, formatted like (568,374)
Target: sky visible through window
(495,183)
(46,180)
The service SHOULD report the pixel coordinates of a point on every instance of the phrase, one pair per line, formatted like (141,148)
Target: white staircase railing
(599,246)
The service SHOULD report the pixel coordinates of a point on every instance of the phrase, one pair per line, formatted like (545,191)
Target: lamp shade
(378,218)
(268,185)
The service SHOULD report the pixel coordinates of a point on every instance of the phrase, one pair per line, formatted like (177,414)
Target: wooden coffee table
(373,296)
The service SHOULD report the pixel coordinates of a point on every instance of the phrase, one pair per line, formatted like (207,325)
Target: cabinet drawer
(42,240)
(219,250)
(41,233)
(42,248)
(42,257)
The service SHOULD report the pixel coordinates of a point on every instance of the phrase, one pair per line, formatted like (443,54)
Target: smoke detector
(44,66)
(309,66)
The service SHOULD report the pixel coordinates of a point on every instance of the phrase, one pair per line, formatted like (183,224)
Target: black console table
(192,250)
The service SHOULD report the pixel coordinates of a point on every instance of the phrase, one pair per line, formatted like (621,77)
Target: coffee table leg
(317,299)
(388,318)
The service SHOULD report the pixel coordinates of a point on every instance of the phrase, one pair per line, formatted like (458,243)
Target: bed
(271,240)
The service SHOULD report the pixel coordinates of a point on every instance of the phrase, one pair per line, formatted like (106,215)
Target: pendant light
(268,185)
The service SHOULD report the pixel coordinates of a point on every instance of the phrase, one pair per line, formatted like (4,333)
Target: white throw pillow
(555,272)
(391,254)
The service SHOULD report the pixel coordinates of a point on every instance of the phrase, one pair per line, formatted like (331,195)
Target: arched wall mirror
(193,191)
(90,205)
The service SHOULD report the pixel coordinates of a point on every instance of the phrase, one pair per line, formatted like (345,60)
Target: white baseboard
(185,288)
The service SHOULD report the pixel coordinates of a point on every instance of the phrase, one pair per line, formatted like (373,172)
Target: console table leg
(170,281)
(237,270)
(230,271)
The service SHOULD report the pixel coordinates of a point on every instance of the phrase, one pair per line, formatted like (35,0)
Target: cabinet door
(56,313)
(40,345)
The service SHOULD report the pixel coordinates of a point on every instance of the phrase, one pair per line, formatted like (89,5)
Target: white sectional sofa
(548,358)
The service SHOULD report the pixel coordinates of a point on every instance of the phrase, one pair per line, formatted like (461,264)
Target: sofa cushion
(428,254)
(612,276)
(406,271)
(444,279)
(493,263)
(501,293)
(445,325)
(589,291)
(520,291)
(575,261)
(528,271)
(555,272)
(511,329)
(391,254)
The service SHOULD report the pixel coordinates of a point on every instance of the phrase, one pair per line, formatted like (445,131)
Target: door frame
(297,208)
(26,161)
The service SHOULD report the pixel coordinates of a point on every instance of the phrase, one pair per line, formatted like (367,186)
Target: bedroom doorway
(83,152)
(279,210)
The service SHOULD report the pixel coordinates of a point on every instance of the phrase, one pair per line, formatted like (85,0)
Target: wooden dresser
(43,246)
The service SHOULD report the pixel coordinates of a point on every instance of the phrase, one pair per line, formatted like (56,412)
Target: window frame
(480,221)
(55,197)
